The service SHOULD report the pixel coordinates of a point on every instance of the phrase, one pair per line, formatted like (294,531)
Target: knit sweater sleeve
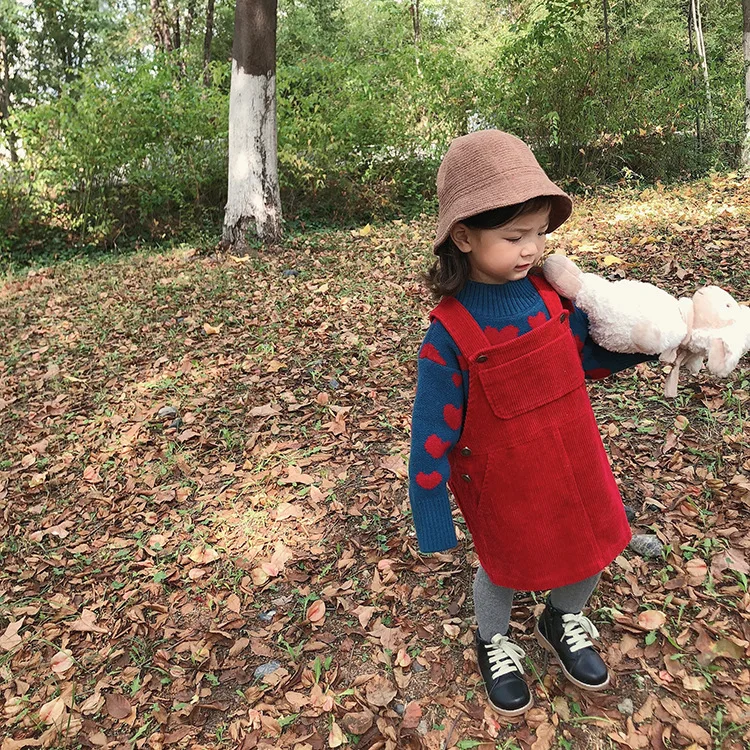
(440,392)
(597,361)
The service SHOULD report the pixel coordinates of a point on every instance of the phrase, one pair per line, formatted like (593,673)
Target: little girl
(502,415)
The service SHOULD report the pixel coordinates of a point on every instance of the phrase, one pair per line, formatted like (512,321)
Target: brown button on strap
(482,358)
(563,315)
(465,451)
(466,477)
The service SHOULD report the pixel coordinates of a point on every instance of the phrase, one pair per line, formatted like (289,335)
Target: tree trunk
(746,51)
(605,8)
(701,47)
(253,199)
(189,20)
(207,41)
(417,25)
(160,26)
(698,134)
(5,99)
(416,20)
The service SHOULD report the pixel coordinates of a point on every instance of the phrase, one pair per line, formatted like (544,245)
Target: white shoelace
(577,629)
(505,656)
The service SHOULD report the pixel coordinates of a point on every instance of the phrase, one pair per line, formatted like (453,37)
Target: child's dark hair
(451,270)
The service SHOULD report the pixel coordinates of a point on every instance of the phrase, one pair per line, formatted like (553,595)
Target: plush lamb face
(714,308)
(721,330)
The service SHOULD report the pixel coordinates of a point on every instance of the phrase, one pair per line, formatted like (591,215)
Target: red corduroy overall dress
(529,472)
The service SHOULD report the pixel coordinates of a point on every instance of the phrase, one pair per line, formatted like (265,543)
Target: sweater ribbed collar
(499,300)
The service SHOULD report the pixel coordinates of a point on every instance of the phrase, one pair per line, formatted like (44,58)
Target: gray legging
(492,603)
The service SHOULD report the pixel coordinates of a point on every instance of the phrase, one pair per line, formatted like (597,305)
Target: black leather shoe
(500,665)
(567,637)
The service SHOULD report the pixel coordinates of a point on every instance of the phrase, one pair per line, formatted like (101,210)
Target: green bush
(141,148)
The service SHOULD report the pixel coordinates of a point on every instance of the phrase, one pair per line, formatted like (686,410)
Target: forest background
(113,115)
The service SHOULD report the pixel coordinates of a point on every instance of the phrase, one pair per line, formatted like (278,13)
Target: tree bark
(416,20)
(698,133)
(189,20)
(253,199)
(605,8)
(207,39)
(5,99)
(746,55)
(701,47)
(160,26)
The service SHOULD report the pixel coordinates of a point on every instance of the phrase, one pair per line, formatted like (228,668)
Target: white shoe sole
(504,711)
(549,647)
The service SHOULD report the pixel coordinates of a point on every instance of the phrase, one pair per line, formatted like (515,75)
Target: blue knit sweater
(503,311)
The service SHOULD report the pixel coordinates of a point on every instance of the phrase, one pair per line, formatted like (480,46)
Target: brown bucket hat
(490,169)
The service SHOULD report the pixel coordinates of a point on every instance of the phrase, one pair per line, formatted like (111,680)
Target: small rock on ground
(646,545)
(266,669)
(626,707)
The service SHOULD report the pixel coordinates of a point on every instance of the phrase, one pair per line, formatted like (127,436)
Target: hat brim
(560,210)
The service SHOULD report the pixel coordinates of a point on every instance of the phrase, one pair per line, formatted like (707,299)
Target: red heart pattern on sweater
(435,446)
(502,336)
(429,481)
(431,353)
(452,416)
(458,380)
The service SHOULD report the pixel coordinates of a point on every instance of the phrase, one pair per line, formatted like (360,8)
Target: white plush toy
(633,316)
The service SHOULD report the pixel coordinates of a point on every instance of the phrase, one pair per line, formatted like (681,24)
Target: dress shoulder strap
(461,326)
(549,296)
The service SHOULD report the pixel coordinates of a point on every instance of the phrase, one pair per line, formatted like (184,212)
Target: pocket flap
(532,380)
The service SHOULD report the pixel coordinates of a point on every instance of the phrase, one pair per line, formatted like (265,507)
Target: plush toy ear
(730,345)
(563,275)
(720,359)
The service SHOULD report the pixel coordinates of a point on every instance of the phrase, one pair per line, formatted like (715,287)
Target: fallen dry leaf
(118,706)
(203,554)
(412,715)
(62,661)
(336,737)
(11,744)
(53,712)
(729,559)
(295,476)
(358,723)
(697,571)
(380,691)
(402,658)
(10,638)
(86,623)
(694,732)
(316,612)
(694,682)
(651,619)
(545,737)
(395,464)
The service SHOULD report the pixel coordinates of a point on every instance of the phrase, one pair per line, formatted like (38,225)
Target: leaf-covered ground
(205,530)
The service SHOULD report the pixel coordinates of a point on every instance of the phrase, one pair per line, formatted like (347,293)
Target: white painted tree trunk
(253,200)
(253,197)
(746,50)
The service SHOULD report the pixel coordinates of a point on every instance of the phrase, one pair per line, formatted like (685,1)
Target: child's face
(505,253)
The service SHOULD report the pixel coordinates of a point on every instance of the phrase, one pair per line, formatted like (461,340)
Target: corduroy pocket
(532,380)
